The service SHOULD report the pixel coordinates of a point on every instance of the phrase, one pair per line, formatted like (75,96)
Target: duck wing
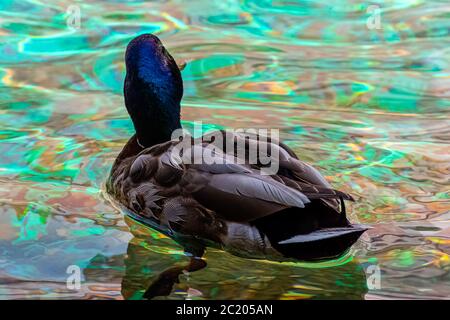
(226,184)
(291,172)
(236,190)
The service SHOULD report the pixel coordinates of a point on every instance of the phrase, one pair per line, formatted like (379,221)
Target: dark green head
(153,90)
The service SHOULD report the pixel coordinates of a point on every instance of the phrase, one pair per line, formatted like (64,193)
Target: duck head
(153,90)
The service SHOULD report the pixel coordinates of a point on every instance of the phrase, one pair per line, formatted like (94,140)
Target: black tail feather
(311,233)
(323,244)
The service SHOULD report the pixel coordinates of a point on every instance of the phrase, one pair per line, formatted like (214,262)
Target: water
(369,107)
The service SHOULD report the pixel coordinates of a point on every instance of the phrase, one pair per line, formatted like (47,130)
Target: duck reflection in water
(153,270)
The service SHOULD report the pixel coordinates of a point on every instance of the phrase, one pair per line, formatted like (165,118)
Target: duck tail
(324,243)
(317,231)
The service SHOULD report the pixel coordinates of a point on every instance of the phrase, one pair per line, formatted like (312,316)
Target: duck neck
(154,116)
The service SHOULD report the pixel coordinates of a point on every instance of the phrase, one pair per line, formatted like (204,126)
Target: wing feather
(253,186)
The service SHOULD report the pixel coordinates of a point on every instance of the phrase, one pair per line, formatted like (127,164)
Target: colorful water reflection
(368,106)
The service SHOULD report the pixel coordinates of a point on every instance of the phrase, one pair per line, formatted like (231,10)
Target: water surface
(369,107)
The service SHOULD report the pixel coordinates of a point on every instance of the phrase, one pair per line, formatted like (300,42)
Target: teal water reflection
(368,106)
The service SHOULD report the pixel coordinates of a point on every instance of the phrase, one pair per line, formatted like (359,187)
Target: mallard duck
(293,213)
